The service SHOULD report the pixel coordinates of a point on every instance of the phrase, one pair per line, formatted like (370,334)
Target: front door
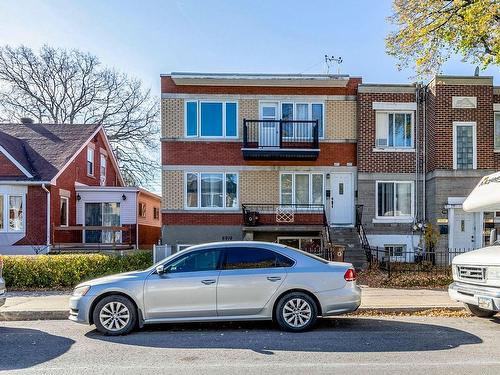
(269,130)
(187,289)
(464,230)
(102,214)
(342,199)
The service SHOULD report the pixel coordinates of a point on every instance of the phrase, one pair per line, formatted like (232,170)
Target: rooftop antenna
(329,60)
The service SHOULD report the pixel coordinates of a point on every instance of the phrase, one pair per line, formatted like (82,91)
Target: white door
(269,130)
(463,230)
(342,199)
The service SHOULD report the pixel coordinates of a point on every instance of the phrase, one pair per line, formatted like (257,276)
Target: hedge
(66,271)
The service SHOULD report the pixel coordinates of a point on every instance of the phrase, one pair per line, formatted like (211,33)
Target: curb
(10,316)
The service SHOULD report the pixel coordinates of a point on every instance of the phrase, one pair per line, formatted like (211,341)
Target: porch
(92,238)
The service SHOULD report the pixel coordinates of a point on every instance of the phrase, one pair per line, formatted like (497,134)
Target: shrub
(65,271)
(378,279)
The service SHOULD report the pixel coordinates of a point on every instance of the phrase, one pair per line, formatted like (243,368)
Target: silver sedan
(223,281)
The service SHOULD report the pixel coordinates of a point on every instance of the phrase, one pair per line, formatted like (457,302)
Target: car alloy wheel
(297,312)
(114,316)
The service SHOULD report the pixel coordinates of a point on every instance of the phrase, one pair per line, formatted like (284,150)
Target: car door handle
(208,282)
(273,278)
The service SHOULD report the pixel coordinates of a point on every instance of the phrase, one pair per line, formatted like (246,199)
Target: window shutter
(381,123)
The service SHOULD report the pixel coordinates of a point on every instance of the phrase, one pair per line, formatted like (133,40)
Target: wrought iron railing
(281,134)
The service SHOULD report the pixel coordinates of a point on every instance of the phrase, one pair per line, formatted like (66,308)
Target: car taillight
(350,275)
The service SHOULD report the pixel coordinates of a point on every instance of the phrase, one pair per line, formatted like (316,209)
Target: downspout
(48,216)
(417,148)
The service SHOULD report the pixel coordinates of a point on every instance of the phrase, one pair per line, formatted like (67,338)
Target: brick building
(288,158)
(57,179)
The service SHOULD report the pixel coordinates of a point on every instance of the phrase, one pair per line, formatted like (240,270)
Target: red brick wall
(77,172)
(229,153)
(197,218)
(8,169)
(169,86)
(440,132)
(36,217)
(148,236)
(368,160)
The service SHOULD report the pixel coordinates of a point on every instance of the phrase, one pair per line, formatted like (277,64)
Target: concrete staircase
(349,238)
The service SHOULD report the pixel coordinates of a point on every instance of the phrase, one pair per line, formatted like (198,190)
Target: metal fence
(393,261)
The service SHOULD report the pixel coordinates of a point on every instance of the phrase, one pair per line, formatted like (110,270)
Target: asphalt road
(347,345)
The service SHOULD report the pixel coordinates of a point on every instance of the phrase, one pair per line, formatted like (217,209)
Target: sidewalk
(54,305)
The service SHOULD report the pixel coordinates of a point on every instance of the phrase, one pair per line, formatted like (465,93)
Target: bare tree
(71,87)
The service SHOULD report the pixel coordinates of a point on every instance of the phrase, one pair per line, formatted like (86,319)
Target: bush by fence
(65,271)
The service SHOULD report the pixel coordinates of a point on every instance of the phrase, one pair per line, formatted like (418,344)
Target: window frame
(142,210)
(321,132)
(496,114)
(156,213)
(310,174)
(473,124)
(218,267)
(7,213)
(400,217)
(199,119)
(66,199)
(103,166)
(386,113)
(90,163)
(391,247)
(224,191)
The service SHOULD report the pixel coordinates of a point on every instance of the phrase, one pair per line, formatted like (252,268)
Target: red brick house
(56,179)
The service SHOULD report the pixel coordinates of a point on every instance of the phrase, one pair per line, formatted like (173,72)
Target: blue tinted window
(231,120)
(211,119)
(192,118)
(317,114)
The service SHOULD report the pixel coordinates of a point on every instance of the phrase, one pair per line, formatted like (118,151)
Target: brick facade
(9,169)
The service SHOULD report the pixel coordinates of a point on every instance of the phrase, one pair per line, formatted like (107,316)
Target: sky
(145,38)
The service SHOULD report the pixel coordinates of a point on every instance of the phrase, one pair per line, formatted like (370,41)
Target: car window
(201,260)
(248,257)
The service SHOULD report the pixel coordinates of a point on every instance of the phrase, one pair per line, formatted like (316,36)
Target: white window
(394,130)
(301,111)
(64,211)
(396,251)
(16,213)
(90,161)
(301,188)
(211,190)
(464,145)
(103,170)
(497,131)
(394,199)
(211,119)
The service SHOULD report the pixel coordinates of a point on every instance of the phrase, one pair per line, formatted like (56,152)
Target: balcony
(308,216)
(280,140)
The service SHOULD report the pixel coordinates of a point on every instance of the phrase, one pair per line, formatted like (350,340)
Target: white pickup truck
(476,274)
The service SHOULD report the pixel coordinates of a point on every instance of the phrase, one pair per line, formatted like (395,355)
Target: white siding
(127,207)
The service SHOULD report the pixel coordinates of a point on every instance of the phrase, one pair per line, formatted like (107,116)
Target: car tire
(481,313)
(296,312)
(115,315)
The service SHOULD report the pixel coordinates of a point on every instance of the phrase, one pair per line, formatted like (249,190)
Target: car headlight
(493,273)
(81,290)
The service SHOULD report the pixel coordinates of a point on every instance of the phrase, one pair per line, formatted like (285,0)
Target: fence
(161,252)
(395,261)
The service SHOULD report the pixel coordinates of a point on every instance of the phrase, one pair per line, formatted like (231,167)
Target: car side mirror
(160,270)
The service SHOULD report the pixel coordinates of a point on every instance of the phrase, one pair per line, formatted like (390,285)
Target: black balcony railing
(280,139)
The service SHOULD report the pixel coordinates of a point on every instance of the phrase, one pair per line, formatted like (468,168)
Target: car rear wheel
(115,315)
(296,312)
(481,313)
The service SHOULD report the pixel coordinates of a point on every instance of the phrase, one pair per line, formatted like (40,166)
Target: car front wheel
(296,312)
(115,315)
(481,313)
